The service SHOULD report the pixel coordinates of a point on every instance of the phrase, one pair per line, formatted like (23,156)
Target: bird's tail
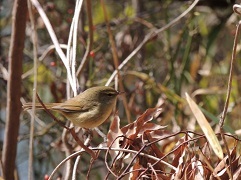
(29,105)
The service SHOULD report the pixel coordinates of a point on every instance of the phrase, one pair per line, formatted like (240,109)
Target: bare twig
(150,36)
(225,109)
(156,159)
(108,149)
(50,114)
(68,151)
(82,144)
(49,50)
(72,43)
(143,154)
(41,58)
(229,170)
(90,38)
(76,163)
(153,170)
(136,152)
(91,164)
(116,60)
(35,55)
(54,40)
(63,161)
(130,163)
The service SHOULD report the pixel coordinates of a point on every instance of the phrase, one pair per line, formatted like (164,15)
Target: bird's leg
(87,133)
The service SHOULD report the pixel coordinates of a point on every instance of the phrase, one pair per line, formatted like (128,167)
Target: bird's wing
(73,106)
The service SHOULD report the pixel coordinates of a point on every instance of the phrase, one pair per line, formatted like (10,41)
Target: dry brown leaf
(114,132)
(179,161)
(179,151)
(149,127)
(197,168)
(237,173)
(132,130)
(135,173)
(112,136)
(221,169)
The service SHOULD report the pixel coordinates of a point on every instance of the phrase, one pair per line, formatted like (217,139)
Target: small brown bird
(88,109)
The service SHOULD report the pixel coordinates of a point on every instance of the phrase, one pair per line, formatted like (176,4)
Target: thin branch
(223,116)
(54,40)
(35,72)
(50,49)
(74,46)
(109,149)
(130,163)
(230,79)
(76,163)
(116,60)
(50,114)
(90,38)
(68,151)
(149,36)
(74,175)
(153,170)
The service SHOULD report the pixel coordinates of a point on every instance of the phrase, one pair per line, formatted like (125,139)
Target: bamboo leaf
(205,126)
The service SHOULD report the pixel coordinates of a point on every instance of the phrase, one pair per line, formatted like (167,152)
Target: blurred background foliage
(193,56)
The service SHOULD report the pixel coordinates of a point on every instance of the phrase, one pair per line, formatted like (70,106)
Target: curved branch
(149,36)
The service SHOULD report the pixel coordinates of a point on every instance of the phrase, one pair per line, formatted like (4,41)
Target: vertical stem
(35,55)
(14,87)
(225,109)
(115,59)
